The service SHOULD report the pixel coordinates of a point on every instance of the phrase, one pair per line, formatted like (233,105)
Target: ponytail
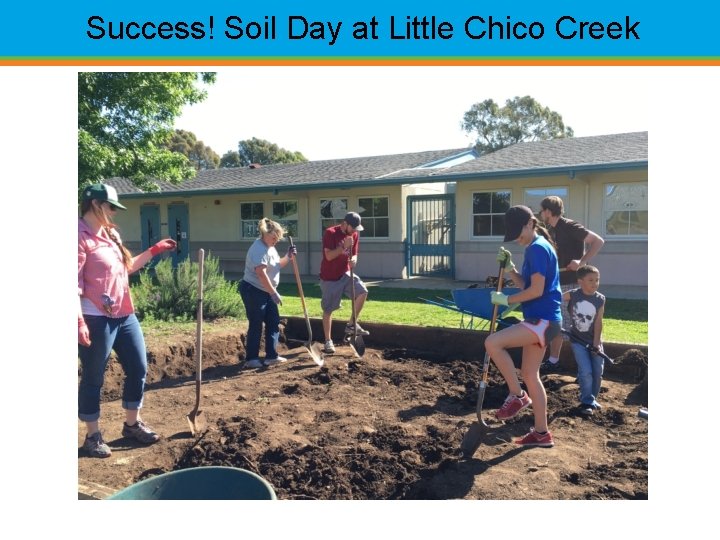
(542,231)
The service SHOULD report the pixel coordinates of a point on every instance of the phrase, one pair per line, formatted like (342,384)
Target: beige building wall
(622,261)
(214,224)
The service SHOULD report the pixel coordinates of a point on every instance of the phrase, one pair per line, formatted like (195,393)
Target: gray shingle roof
(624,149)
(298,175)
(572,152)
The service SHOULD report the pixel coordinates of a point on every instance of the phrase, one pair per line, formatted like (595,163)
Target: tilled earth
(387,426)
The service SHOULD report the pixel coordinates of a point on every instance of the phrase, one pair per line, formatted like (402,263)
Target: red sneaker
(535,439)
(512,406)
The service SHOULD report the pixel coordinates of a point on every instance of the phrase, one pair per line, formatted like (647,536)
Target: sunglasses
(112,207)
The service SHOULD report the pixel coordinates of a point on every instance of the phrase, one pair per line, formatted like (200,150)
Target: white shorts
(544,330)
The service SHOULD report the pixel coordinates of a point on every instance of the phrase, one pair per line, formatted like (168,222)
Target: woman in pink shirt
(106,317)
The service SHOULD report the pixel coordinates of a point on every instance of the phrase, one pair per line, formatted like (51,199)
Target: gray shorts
(566,318)
(332,291)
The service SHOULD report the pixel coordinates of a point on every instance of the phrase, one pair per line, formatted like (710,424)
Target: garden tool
(356,342)
(474,436)
(313,349)
(195,418)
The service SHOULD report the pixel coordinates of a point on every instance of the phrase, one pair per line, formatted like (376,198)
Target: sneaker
(512,406)
(95,446)
(140,432)
(360,330)
(274,361)
(535,439)
(549,367)
(586,410)
(329,347)
(254,363)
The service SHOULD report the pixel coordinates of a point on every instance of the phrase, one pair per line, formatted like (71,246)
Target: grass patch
(625,321)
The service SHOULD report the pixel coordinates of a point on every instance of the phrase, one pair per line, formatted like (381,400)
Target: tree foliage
(521,119)
(265,153)
(230,160)
(124,120)
(186,143)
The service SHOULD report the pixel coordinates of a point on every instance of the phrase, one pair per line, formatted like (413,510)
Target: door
(178,230)
(430,247)
(149,229)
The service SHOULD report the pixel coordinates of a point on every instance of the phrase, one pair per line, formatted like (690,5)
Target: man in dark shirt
(576,245)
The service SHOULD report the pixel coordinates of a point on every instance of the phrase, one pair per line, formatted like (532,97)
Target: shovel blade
(358,344)
(316,353)
(196,420)
(473,439)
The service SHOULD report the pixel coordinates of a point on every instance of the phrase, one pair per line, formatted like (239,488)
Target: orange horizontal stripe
(353,61)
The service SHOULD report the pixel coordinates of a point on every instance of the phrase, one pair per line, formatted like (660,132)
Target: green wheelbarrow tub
(200,483)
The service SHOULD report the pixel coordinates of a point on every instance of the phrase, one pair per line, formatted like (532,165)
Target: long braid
(109,227)
(115,237)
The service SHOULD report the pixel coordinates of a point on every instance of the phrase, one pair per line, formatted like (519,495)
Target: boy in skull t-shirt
(586,307)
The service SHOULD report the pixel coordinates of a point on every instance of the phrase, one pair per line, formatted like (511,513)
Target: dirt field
(384,427)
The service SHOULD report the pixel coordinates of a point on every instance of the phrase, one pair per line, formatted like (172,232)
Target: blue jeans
(590,370)
(260,309)
(125,337)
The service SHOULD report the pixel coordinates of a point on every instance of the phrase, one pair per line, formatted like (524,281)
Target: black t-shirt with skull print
(583,309)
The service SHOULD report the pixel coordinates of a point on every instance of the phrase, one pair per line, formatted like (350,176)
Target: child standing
(586,307)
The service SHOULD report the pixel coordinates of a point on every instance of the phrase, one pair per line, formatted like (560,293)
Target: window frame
(492,237)
(605,211)
(366,219)
(322,219)
(284,222)
(253,221)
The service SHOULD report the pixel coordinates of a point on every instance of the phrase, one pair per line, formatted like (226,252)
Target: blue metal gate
(431,235)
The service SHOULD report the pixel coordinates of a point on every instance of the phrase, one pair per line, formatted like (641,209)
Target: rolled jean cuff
(132,405)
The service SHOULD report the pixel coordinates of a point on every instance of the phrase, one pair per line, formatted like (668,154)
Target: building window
(488,212)
(534,196)
(250,214)
(626,209)
(332,212)
(286,213)
(375,215)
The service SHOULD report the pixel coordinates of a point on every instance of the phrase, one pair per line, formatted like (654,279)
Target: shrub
(168,294)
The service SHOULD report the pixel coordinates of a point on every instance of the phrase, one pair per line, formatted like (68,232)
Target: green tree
(123,121)
(186,143)
(265,153)
(230,160)
(521,119)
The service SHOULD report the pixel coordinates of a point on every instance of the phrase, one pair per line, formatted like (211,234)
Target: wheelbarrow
(474,305)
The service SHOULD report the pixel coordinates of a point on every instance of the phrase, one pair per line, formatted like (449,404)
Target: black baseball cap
(353,219)
(515,219)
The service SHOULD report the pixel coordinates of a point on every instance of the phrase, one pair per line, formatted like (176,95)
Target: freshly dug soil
(387,426)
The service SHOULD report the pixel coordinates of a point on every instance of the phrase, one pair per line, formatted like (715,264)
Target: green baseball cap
(102,192)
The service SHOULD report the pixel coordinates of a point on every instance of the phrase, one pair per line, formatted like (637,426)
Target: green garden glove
(504,257)
(498,298)
(509,310)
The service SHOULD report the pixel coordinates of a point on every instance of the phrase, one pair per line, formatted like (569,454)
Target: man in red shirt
(340,251)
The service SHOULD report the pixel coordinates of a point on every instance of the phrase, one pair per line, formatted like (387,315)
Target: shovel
(195,418)
(356,342)
(314,350)
(474,436)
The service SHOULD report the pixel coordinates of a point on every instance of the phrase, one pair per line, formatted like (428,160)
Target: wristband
(155,250)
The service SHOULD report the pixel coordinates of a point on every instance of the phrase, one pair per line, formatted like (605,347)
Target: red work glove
(83,333)
(163,245)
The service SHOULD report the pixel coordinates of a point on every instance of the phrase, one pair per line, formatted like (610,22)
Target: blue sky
(338,112)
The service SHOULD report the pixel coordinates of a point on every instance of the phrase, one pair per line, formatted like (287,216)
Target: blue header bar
(318,30)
